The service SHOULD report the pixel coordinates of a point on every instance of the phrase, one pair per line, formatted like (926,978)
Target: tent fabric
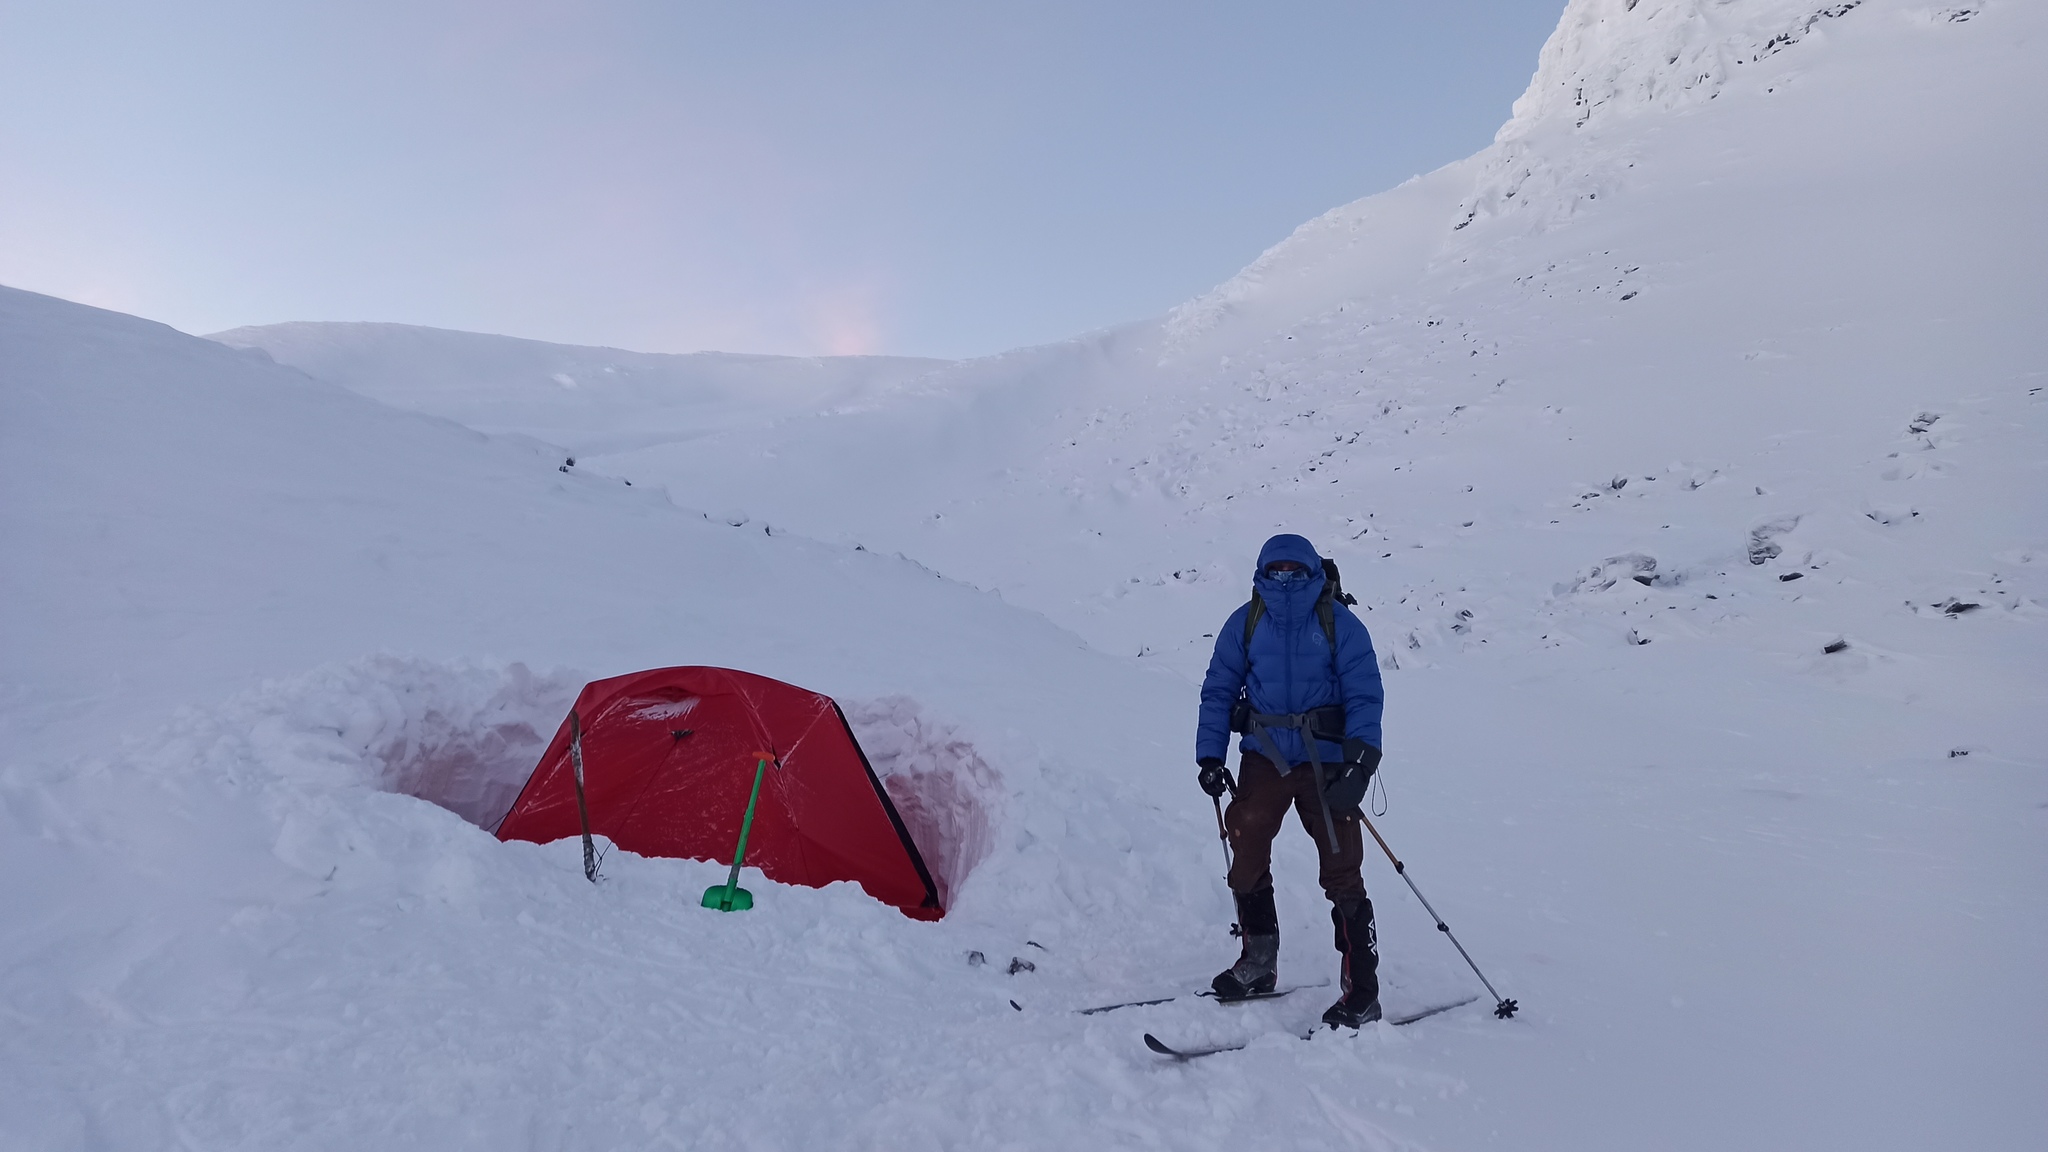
(668,762)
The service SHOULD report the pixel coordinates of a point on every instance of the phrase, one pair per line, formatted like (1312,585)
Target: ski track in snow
(1684,449)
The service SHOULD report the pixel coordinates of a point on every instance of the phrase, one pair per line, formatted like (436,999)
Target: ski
(1153,1042)
(1275,994)
(1425,1013)
(1126,1004)
(1161,1047)
(1206,992)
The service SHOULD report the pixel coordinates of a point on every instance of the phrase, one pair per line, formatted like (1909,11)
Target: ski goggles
(1286,571)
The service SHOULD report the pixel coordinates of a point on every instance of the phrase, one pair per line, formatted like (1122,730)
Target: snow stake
(1502,1007)
(582,807)
(729,896)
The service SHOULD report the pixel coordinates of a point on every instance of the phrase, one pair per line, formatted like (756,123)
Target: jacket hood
(1288,546)
(1292,603)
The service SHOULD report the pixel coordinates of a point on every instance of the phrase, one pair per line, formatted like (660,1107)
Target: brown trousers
(1254,818)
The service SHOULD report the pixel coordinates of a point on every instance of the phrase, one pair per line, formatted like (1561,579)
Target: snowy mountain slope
(1819,224)
(1745,892)
(1834,240)
(176,501)
(586,400)
(220,916)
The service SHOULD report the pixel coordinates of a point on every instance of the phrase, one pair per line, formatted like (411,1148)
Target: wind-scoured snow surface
(1685,449)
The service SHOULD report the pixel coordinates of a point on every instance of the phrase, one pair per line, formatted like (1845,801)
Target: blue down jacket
(1288,668)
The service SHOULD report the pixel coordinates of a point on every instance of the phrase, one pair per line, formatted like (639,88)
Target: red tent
(668,761)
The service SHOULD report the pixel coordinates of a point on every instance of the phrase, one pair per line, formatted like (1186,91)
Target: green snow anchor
(729,896)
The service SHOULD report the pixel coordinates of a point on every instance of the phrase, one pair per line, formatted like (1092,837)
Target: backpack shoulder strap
(1326,612)
(1326,615)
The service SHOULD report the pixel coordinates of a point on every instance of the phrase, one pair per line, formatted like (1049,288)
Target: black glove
(1213,778)
(1344,784)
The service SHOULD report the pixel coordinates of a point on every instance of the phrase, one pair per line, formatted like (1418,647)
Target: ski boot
(1358,943)
(1257,970)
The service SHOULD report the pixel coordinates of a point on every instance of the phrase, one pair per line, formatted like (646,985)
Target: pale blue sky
(928,178)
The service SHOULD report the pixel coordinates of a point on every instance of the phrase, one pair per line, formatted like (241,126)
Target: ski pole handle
(1399,868)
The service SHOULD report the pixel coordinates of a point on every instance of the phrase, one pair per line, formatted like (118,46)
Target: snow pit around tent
(471,754)
(461,736)
(944,791)
(466,737)
(674,756)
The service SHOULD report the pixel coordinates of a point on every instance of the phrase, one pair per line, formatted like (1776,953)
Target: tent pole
(582,806)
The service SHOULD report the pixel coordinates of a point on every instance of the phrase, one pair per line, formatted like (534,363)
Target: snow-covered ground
(1724,354)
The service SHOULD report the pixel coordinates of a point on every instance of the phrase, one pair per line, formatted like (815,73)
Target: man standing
(1294,670)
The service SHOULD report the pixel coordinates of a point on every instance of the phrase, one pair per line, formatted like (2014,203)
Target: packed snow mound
(578,396)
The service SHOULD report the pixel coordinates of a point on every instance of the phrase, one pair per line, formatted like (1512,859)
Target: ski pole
(1502,1007)
(582,806)
(1223,837)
